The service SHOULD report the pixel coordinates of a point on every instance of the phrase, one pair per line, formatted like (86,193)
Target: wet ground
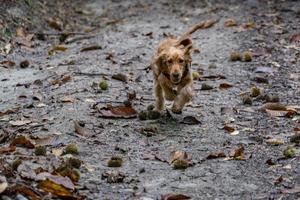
(128,33)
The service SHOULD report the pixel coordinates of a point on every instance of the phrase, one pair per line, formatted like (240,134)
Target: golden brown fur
(172,74)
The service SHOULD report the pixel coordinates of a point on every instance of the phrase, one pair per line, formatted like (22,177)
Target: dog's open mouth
(175,80)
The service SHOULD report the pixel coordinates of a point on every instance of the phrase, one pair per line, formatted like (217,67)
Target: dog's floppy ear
(186,41)
(159,61)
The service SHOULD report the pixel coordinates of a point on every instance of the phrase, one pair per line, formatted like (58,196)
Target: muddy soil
(128,33)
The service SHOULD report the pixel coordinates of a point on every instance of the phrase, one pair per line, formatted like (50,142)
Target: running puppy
(171,67)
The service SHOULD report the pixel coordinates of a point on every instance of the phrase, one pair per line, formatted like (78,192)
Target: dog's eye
(180,61)
(170,61)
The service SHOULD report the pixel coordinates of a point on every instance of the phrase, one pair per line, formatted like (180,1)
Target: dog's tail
(202,25)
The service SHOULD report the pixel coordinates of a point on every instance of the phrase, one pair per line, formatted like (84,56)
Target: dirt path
(128,33)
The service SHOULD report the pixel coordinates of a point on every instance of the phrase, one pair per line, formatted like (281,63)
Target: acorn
(40,151)
(247,56)
(289,152)
(103,85)
(235,56)
(195,75)
(71,149)
(115,161)
(180,164)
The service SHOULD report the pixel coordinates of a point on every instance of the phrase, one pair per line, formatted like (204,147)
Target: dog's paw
(176,110)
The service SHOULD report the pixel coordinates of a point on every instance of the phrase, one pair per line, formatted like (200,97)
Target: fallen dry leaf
(118,112)
(7,63)
(81,130)
(175,197)
(238,153)
(4,150)
(8,111)
(178,155)
(278,110)
(291,191)
(54,188)
(274,141)
(19,122)
(231,130)
(55,23)
(218,154)
(224,86)
(230,23)
(22,141)
(57,48)
(67,99)
(295,38)
(191,120)
(120,77)
(62,80)
(91,48)
(20,32)
(22,189)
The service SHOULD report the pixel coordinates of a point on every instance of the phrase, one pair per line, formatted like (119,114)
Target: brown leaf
(249,25)
(55,23)
(191,120)
(231,130)
(118,112)
(47,140)
(4,150)
(224,86)
(291,191)
(174,197)
(64,79)
(24,190)
(295,38)
(218,154)
(22,141)
(57,48)
(7,63)
(278,110)
(120,77)
(54,188)
(273,106)
(8,111)
(274,141)
(91,48)
(238,154)
(20,32)
(178,155)
(230,23)
(81,130)
(67,99)
(20,122)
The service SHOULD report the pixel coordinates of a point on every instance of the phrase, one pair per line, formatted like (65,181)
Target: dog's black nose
(176,76)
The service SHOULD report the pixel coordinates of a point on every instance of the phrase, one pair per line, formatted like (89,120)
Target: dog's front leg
(185,95)
(160,101)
